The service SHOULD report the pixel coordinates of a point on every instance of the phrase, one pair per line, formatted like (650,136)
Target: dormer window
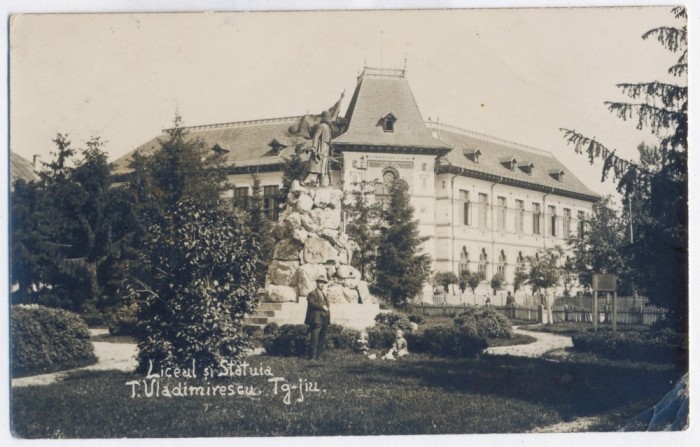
(220,149)
(472,154)
(526,167)
(277,146)
(509,162)
(556,174)
(388,122)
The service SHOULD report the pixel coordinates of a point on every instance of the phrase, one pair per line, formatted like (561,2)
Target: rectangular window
(466,207)
(536,216)
(271,201)
(581,223)
(483,210)
(240,197)
(552,211)
(519,214)
(567,223)
(501,214)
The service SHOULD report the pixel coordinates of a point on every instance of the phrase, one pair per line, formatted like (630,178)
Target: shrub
(394,320)
(487,322)
(448,341)
(381,336)
(648,346)
(340,337)
(290,340)
(123,321)
(271,329)
(196,285)
(46,340)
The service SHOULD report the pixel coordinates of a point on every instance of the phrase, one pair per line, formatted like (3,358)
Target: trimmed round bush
(289,341)
(447,341)
(271,328)
(341,337)
(395,320)
(486,322)
(649,346)
(45,340)
(381,336)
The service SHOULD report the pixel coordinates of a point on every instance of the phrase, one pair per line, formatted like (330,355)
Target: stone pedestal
(311,243)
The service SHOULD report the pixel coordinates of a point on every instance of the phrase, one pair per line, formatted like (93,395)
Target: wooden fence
(634,315)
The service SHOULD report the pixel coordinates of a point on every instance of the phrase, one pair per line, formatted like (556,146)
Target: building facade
(484,203)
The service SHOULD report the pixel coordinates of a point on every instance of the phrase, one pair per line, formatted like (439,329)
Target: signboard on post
(605,283)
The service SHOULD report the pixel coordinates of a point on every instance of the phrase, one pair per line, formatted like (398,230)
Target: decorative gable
(509,162)
(556,174)
(526,167)
(472,154)
(277,146)
(387,122)
(220,149)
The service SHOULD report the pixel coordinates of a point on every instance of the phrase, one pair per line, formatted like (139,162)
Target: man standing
(318,317)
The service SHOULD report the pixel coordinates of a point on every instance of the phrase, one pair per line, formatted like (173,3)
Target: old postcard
(349,223)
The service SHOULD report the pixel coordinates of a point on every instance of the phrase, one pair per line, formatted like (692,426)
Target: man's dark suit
(318,320)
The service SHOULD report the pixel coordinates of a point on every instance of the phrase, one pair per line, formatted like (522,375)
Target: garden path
(119,356)
(545,343)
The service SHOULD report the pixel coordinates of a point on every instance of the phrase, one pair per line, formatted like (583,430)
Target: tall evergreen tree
(401,268)
(663,239)
(67,231)
(363,219)
(261,229)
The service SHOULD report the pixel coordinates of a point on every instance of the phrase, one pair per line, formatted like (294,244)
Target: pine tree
(662,240)
(363,219)
(261,229)
(401,267)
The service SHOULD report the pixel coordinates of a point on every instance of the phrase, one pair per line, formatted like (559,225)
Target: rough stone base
(358,316)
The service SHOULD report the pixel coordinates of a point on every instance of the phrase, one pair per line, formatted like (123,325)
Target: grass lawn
(418,394)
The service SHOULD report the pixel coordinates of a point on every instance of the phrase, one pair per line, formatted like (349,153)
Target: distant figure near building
(320,145)
(318,317)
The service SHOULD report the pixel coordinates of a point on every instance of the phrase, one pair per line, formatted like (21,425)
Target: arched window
(464,260)
(502,263)
(381,187)
(483,262)
(520,262)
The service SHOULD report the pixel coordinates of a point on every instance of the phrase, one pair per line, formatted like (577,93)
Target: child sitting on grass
(399,348)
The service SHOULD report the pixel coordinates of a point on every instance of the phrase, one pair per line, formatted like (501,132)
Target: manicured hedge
(45,340)
(486,321)
(293,339)
(447,341)
(649,346)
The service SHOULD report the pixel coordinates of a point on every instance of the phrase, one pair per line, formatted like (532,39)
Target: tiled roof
(378,94)
(21,168)
(494,151)
(248,142)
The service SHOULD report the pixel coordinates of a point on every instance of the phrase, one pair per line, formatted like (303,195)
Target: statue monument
(310,243)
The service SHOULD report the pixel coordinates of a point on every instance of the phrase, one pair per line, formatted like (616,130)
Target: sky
(517,74)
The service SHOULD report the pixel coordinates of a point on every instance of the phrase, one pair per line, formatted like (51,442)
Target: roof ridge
(491,138)
(242,123)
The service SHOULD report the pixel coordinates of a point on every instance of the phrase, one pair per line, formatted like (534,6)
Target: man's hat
(322,278)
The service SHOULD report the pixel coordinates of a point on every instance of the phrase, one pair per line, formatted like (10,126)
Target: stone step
(263,313)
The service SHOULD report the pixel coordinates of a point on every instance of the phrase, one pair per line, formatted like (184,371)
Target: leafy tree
(661,183)
(446,279)
(471,280)
(544,274)
(363,218)
(569,274)
(519,278)
(601,248)
(544,270)
(195,288)
(497,282)
(401,267)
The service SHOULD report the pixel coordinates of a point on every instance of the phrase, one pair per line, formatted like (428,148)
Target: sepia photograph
(350,222)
